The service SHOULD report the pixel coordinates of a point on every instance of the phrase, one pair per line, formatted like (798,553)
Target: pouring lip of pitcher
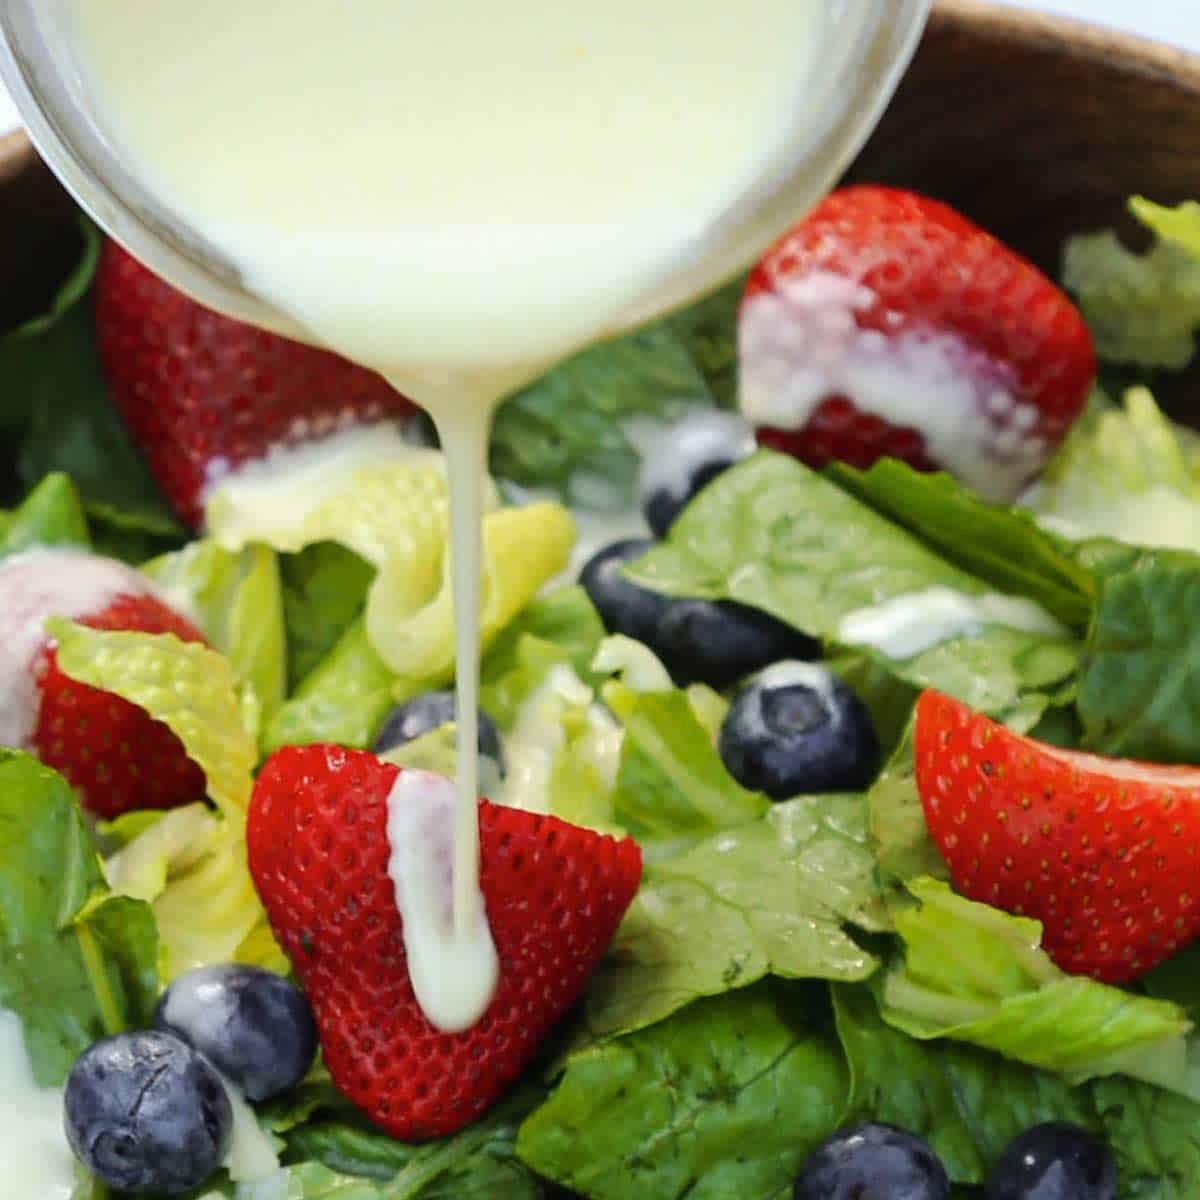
(863,70)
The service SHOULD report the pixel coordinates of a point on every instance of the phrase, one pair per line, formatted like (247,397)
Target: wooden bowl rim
(1116,48)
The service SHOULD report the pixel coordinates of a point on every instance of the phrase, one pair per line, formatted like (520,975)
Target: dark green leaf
(74,965)
(1003,546)
(723,1100)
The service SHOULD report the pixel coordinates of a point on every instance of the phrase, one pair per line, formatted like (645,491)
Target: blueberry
(872,1162)
(623,605)
(687,457)
(1055,1161)
(146,1114)
(255,1027)
(720,642)
(797,729)
(698,641)
(427,712)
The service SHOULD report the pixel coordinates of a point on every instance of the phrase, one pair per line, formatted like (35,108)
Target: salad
(840,837)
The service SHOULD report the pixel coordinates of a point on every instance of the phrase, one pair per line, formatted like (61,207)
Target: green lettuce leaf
(344,700)
(778,896)
(576,422)
(58,418)
(76,962)
(966,1103)
(1125,473)
(903,848)
(1143,309)
(672,784)
(1139,689)
(393,514)
(207,909)
(479,1163)
(51,515)
(999,990)
(236,600)
(324,590)
(1002,546)
(725,1099)
(1156,1137)
(561,627)
(775,536)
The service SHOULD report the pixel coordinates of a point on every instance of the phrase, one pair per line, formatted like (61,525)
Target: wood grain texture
(1037,127)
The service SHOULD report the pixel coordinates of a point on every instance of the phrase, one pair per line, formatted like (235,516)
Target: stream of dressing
(457,202)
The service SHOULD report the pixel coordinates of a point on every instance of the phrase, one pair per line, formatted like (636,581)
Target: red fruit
(113,753)
(886,324)
(1102,851)
(201,393)
(554,893)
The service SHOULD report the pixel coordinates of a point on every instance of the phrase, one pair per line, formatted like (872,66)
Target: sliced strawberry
(1102,851)
(886,324)
(116,756)
(319,852)
(201,394)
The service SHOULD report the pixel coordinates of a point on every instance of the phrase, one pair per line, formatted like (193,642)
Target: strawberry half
(201,393)
(886,324)
(1102,851)
(554,894)
(115,755)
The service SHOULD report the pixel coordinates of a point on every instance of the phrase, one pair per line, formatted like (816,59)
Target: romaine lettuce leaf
(324,590)
(1000,991)
(576,422)
(1002,546)
(903,848)
(76,962)
(778,896)
(208,910)
(236,600)
(393,514)
(1139,689)
(965,1102)
(1143,309)
(344,700)
(723,1100)
(51,515)
(773,535)
(559,629)
(672,785)
(1123,473)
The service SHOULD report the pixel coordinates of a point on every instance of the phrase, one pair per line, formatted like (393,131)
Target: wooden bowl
(1037,127)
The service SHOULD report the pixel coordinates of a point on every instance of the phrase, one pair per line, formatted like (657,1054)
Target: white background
(1176,21)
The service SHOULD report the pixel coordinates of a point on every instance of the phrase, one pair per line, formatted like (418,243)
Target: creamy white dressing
(455,201)
(33,1146)
(908,625)
(801,344)
(670,454)
(34,586)
(453,971)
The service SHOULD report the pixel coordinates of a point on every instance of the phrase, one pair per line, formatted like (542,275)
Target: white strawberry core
(37,585)
(910,624)
(454,976)
(801,345)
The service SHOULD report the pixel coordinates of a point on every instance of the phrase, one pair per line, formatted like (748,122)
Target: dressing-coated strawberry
(113,753)
(319,852)
(1104,852)
(886,324)
(201,393)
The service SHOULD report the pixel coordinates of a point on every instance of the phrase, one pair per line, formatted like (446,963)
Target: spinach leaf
(75,963)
